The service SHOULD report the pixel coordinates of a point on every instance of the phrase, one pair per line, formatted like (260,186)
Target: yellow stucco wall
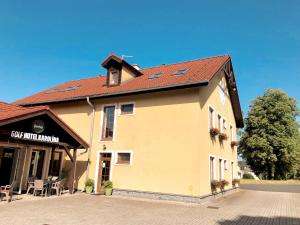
(126,75)
(210,97)
(168,136)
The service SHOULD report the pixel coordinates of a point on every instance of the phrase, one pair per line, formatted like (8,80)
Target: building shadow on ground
(253,220)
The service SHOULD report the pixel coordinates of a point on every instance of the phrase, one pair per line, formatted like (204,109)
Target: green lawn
(249,181)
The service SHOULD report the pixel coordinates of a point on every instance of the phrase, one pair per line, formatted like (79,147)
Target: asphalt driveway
(246,207)
(288,188)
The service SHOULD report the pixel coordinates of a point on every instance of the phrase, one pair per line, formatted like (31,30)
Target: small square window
(127,109)
(123,158)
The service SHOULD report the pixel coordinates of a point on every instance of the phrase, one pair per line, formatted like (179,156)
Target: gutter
(91,137)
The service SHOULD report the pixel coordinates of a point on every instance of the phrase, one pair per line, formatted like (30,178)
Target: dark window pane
(109,116)
(127,109)
(55,163)
(40,165)
(114,77)
(123,158)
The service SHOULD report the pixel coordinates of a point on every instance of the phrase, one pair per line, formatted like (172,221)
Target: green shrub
(108,184)
(64,174)
(248,176)
(89,183)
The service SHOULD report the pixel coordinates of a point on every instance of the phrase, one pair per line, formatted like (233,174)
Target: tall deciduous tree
(270,141)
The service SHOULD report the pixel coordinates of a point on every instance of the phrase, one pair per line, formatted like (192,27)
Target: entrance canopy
(36,125)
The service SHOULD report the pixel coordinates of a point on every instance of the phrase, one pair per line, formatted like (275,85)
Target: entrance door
(6,164)
(37,164)
(104,169)
(55,163)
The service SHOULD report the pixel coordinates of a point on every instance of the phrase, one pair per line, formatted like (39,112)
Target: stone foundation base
(171,197)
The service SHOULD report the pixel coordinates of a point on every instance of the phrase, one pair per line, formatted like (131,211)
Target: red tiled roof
(9,111)
(200,70)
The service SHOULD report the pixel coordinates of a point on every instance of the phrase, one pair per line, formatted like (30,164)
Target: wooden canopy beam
(68,153)
(74,171)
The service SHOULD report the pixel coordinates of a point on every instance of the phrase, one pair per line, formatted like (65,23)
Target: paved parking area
(290,188)
(246,207)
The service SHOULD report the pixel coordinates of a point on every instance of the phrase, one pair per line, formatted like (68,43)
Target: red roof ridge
(101,75)
(192,60)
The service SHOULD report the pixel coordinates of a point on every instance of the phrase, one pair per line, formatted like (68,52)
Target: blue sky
(44,43)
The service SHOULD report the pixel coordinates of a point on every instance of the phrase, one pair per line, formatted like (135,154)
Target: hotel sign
(34,137)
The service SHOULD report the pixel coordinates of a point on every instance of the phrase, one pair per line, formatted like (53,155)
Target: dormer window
(119,71)
(114,77)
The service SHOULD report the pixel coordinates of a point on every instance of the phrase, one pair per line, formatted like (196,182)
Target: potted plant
(234,143)
(222,136)
(89,186)
(224,183)
(214,132)
(235,182)
(108,187)
(215,184)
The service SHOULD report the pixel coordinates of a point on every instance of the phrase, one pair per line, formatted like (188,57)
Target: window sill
(106,140)
(126,114)
(119,164)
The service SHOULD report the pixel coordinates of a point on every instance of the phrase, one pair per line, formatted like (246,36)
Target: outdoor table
(48,184)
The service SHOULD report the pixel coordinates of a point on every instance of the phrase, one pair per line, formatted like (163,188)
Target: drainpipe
(91,136)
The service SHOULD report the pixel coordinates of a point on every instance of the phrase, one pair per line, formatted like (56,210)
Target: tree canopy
(270,142)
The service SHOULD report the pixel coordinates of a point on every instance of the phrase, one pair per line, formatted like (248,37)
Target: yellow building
(165,131)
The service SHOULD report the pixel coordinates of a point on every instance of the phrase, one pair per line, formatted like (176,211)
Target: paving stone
(247,207)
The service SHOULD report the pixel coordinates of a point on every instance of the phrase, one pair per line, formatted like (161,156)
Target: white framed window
(221,169)
(212,167)
(108,122)
(123,158)
(231,133)
(114,77)
(232,170)
(127,108)
(224,125)
(211,114)
(225,164)
(219,122)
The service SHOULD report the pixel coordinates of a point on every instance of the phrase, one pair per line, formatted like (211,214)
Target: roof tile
(197,71)
(8,111)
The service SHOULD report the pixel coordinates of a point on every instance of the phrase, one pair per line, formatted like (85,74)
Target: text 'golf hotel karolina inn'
(165,131)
